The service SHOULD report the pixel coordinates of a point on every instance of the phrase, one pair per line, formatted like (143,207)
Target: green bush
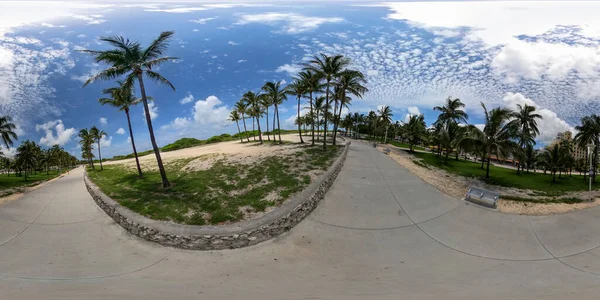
(183,143)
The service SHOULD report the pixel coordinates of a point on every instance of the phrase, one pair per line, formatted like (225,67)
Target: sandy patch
(456,186)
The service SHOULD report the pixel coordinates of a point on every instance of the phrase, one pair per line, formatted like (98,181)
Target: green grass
(407,146)
(215,195)
(10,184)
(541,183)
(568,200)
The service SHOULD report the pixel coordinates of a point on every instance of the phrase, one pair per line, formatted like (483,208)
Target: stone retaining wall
(232,236)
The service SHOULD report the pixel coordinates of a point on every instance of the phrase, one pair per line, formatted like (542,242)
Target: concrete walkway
(380,233)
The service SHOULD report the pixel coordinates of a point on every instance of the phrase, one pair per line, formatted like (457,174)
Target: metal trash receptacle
(482,197)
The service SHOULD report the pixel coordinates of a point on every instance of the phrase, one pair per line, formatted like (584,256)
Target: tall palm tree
(86,140)
(241,107)
(311,82)
(128,58)
(7,131)
(277,93)
(26,156)
(297,89)
(328,68)
(452,111)
(525,119)
(553,160)
(414,131)
(235,116)
(97,135)
(588,133)
(350,82)
(530,157)
(255,110)
(122,98)
(497,135)
(385,116)
(265,101)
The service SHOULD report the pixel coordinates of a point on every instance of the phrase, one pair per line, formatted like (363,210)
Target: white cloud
(202,21)
(210,111)
(187,99)
(372,72)
(81,36)
(290,123)
(10,152)
(128,140)
(153,111)
(413,110)
(105,141)
(290,69)
(177,10)
(62,137)
(242,61)
(232,43)
(103,121)
(291,23)
(549,126)
(497,22)
(178,123)
(120,131)
(90,19)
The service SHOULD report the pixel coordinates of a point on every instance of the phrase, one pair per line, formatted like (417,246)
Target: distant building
(578,152)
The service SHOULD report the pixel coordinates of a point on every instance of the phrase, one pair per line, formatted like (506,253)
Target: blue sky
(415,55)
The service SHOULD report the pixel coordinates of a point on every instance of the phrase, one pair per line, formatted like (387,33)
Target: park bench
(387,151)
(482,197)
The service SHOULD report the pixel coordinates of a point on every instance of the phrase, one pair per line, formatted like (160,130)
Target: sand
(234,151)
(456,187)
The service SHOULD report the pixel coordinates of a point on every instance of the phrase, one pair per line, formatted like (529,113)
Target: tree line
(30,157)
(325,82)
(505,134)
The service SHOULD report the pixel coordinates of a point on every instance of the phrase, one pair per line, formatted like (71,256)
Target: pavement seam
(29,225)
(90,278)
(447,246)
(555,257)
(51,224)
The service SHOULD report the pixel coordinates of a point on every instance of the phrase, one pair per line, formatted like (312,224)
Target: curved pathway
(380,233)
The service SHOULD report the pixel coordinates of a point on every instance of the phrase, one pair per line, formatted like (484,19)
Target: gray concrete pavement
(380,233)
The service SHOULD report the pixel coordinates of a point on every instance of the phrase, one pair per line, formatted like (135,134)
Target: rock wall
(231,236)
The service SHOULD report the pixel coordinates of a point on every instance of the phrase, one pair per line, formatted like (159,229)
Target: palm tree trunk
(245,130)
(267,118)
(487,171)
(137,161)
(259,132)
(274,118)
(482,159)
(587,155)
(278,124)
(100,156)
(325,114)
(334,121)
(161,167)
(299,125)
(554,176)
(313,121)
(239,132)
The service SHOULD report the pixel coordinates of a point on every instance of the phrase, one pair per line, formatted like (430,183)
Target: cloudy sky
(415,54)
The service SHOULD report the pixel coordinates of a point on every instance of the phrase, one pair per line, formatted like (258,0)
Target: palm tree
(26,156)
(588,133)
(311,82)
(256,111)
(552,159)
(525,120)
(7,131)
(277,95)
(530,157)
(97,135)
(123,99)
(328,68)
(297,89)
(385,116)
(452,112)
(497,135)
(46,159)
(241,107)
(128,58)
(414,131)
(86,140)
(235,116)
(351,82)
(265,101)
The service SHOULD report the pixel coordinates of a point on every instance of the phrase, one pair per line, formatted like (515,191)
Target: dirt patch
(456,186)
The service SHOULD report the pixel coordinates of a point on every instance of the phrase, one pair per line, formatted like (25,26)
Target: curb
(232,236)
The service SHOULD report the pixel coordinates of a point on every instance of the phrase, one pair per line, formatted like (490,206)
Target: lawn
(539,182)
(12,182)
(226,192)
(407,146)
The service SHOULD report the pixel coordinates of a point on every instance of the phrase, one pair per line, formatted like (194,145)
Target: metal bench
(482,197)
(386,151)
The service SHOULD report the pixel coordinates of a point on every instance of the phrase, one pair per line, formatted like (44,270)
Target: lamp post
(386,132)
(589,148)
